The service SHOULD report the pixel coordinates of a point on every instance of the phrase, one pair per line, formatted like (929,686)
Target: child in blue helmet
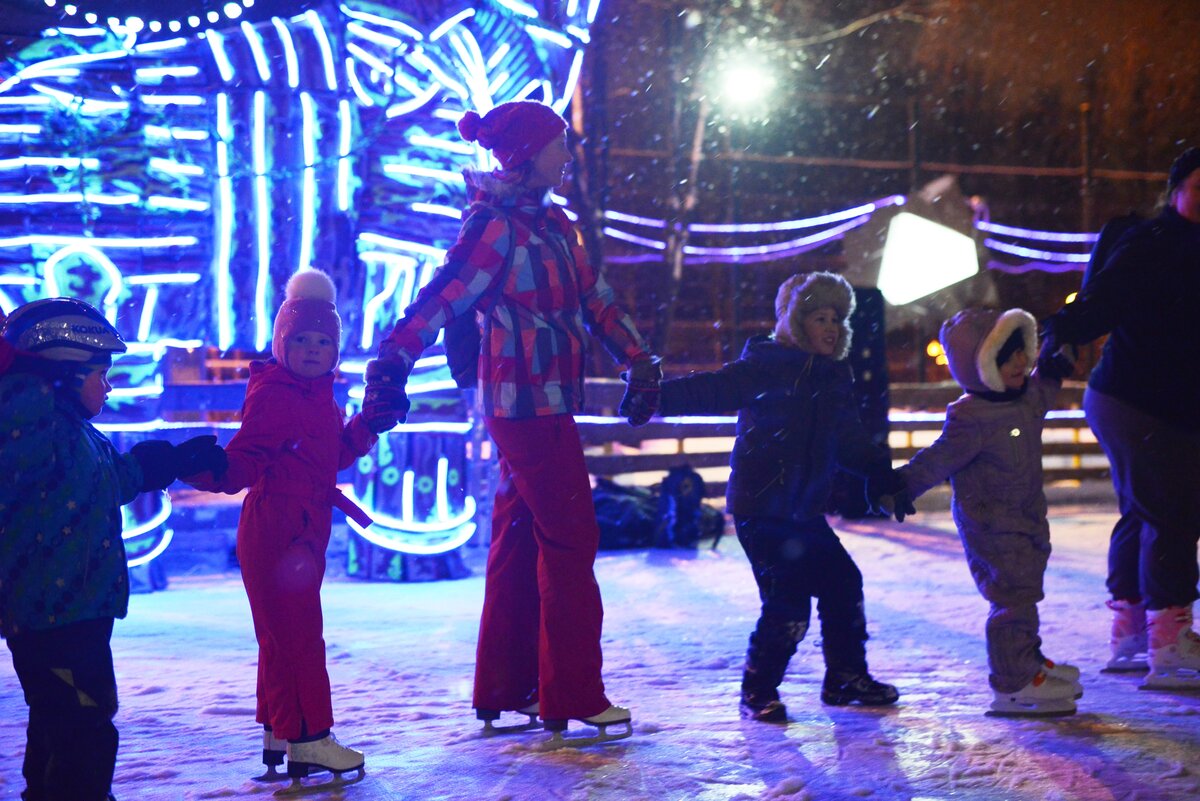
(63,576)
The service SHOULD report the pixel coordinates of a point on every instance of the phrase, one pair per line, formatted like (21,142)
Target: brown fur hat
(804,293)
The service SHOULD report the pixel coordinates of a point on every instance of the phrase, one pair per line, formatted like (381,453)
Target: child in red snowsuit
(292,443)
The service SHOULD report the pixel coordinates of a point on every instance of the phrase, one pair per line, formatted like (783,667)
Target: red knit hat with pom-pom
(309,305)
(514,132)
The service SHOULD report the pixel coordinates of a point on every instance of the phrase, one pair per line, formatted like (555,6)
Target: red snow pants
(281,548)
(539,637)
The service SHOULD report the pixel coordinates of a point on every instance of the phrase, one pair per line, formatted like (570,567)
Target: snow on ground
(401,657)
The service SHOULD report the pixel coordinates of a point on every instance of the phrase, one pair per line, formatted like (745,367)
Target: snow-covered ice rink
(401,658)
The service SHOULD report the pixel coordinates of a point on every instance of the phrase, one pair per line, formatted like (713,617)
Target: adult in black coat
(1143,402)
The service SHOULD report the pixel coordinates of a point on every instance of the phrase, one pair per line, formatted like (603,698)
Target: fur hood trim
(493,184)
(973,338)
(804,293)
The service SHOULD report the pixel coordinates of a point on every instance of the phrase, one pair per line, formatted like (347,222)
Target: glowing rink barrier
(176,181)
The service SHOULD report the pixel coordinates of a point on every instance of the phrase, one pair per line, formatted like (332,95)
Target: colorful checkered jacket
(531,361)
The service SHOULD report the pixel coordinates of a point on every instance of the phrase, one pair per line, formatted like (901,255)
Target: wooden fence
(643,455)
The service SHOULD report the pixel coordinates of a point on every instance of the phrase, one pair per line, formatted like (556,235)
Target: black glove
(887,493)
(643,391)
(159,463)
(1058,364)
(384,401)
(199,455)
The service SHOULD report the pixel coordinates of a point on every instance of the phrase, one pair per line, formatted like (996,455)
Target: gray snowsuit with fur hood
(991,450)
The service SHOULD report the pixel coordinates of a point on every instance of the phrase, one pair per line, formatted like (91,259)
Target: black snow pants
(794,563)
(67,676)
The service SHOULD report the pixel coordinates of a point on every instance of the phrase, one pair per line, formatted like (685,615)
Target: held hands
(201,455)
(384,401)
(642,391)
(887,493)
(1057,364)
(162,462)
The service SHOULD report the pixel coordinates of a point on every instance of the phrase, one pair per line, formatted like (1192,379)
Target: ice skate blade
(1044,710)
(1126,666)
(490,729)
(298,788)
(272,775)
(559,740)
(1188,681)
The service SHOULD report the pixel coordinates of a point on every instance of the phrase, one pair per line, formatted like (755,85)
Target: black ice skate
(273,752)
(839,690)
(490,716)
(326,754)
(613,716)
(763,710)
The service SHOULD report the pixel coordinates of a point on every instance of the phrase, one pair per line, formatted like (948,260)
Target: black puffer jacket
(1145,297)
(798,420)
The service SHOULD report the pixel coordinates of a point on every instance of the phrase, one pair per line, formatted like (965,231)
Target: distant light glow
(216,43)
(433,208)
(345,139)
(921,256)
(175,167)
(257,51)
(318,27)
(224,226)
(1030,233)
(407,30)
(186,134)
(289,52)
(546,35)
(449,23)
(308,202)
(1032,253)
(262,201)
(524,9)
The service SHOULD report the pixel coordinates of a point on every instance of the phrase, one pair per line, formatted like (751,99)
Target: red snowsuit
(292,442)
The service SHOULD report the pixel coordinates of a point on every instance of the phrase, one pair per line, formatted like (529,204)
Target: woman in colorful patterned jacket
(519,262)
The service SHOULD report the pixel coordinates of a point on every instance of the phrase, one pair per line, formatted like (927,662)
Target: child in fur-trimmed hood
(797,422)
(991,451)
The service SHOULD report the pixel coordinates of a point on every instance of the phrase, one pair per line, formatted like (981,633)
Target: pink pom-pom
(468,126)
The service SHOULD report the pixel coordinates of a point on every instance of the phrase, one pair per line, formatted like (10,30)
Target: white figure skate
(1045,696)
(1063,672)
(273,752)
(324,754)
(1128,640)
(490,716)
(1174,651)
(613,716)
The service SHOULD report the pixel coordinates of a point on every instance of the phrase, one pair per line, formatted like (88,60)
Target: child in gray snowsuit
(991,450)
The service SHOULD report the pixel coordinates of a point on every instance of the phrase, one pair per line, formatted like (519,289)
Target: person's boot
(840,689)
(1128,640)
(771,648)
(1174,650)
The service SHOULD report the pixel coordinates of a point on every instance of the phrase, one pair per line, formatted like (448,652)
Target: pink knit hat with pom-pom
(309,306)
(514,132)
